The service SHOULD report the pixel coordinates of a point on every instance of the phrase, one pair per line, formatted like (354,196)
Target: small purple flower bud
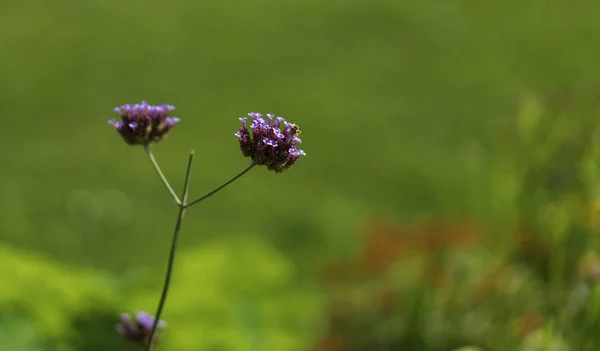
(277,122)
(142,123)
(116,124)
(268,144)
(171,121)
(138,331)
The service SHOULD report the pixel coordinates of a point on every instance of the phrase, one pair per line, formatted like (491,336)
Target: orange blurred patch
(533,250)
(436,275)
(489,285)
(330,343)
(386,243)
(338,272)
(527,324)
(443,235)
(532,246)
(387,300)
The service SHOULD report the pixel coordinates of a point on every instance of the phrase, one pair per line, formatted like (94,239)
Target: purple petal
(278,134)
(126,318)
(277,122)
(116,124)
(295,152)
(146,323)
(270,142)
(172,120)
(255,115)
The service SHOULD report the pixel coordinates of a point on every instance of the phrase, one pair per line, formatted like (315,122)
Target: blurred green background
(411,111)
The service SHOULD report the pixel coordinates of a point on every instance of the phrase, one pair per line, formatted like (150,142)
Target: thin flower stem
(161,175)
(182,207)
(211,193)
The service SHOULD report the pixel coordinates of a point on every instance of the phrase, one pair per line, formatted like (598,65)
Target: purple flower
(272,142)
(142,123)
(138,331)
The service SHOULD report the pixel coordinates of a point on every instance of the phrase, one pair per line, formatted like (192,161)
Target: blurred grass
(351,73)
(407,110)
(390,95)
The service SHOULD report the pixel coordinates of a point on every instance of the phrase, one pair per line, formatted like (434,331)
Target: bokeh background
(447,199)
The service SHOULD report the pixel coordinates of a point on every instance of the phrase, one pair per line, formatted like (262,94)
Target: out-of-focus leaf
(210,281)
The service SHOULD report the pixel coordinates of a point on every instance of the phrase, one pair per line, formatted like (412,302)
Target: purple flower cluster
(138,331)
(143,123)
(271,143)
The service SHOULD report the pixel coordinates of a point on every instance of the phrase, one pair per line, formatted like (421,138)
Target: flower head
(272,142)
(138,331)
(143,123)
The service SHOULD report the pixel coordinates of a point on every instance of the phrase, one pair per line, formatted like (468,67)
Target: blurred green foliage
(411,111)
(534,289)
(39,298)
(236,294)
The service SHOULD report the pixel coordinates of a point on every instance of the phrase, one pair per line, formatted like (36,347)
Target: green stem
(161,175)
(167,283)
(211,193)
